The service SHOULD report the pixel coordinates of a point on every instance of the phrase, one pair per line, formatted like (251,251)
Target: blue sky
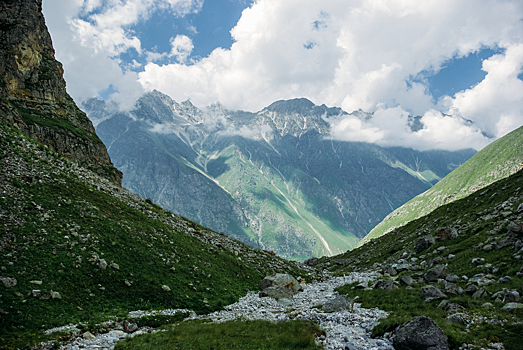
(445,60)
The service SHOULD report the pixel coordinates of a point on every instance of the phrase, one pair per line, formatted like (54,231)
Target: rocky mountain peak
(32,90)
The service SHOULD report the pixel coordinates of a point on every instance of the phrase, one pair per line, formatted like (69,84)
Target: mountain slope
(32,90)
(74,246)
(272,179)
(477,251)
(498,160)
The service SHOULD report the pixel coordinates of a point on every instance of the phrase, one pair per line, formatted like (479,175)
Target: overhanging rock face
(33,96)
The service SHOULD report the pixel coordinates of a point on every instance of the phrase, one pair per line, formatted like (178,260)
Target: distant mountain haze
(274,179)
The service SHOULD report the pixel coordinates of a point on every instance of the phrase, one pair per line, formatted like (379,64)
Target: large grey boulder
(340,303)
(435,273)
(279,286)
(421,333)
(424,243)
(276,292)
(430,292)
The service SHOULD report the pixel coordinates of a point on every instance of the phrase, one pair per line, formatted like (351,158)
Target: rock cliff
(33,96)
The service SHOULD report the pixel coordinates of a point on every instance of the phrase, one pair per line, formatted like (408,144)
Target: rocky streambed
(345,329)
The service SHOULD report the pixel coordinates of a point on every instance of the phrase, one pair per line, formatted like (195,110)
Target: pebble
(344,329)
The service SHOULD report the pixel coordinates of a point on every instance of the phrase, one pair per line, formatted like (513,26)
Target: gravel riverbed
(344,329)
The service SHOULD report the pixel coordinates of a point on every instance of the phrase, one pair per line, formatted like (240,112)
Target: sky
(458,64)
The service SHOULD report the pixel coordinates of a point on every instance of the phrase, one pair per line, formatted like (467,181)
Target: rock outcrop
(33,96)
(420,333)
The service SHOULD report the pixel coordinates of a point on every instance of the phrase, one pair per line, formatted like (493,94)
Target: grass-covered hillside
(74,247)
(478,240)
(498,160)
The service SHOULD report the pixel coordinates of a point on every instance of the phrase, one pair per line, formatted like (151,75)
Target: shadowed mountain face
(273,179)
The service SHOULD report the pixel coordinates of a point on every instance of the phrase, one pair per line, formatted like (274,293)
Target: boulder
(451,277)
(511,296)
(430,292)
(389,270)
(452,288)
(421,333)
(515,230)
(311,261)
(471,289)
(276,292)
(384,284)
(481,280)
(340,303)
(435,273)
(452,308)
(402,267)
(512,306)
(480,293)
(130,326)
(458,318)
(8,281)
(285,281)
(423,243)
(446,233)
(406,280)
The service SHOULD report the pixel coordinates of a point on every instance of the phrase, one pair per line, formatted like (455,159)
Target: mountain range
(274,179)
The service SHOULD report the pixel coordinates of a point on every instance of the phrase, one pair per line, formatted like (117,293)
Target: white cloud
(88,36)
(349,53)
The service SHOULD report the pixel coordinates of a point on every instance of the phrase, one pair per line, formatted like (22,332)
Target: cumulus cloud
(349,53)
(363,54)
(89,36)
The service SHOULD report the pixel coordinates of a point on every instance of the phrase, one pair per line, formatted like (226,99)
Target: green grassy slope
(498,160)
(105,250)
(276,206)
(481,219)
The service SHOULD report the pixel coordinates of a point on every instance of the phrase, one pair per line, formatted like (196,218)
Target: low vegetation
(253,335)
(482,245)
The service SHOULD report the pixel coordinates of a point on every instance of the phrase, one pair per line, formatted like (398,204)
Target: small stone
(8,281)
(36,282)
(130,325)
(55,295)
(36,293)
(487,305)
(127,283)
(88,336)
(166,288)
(115,266)
(102,264)
(505,279)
